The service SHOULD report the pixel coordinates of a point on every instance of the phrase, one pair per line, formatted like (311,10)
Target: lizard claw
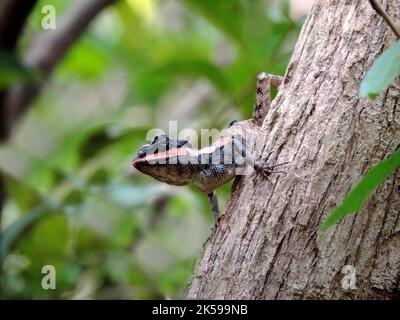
(267,170)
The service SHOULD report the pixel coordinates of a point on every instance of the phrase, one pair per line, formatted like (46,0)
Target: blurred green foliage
(74,200)
(13,71)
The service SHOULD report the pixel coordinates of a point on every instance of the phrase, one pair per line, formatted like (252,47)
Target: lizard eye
(158,137)
(232,123)
(142,151)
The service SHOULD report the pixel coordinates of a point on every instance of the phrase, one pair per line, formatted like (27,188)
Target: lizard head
(159,143)
(158,158)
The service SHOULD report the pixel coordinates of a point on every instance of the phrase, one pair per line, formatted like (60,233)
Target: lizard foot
(267,170)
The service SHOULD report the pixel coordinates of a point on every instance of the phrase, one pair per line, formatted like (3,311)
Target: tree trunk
(268,244)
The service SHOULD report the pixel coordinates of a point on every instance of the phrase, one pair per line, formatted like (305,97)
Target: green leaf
(383,71)
(228,16)
(195,67)
(88,59)
(12,232)
(23,194)
(360,193)
(128,195)
(13,71)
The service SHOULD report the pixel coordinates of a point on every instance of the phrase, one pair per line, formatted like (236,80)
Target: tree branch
(378,8)
(44,54)
(13,15)
(267,244)
(48,49)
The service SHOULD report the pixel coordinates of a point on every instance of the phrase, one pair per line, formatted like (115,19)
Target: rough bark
(268,244)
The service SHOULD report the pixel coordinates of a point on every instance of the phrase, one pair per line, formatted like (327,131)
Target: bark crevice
(268,245)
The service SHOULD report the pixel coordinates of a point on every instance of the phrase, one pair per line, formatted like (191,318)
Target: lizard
(176,162)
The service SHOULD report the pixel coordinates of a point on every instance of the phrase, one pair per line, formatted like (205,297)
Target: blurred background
(73,200)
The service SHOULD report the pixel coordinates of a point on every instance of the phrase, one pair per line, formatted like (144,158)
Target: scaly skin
(175,162)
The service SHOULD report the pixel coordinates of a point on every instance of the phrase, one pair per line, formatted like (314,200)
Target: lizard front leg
(260,167)
(239,149)
(263,102)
